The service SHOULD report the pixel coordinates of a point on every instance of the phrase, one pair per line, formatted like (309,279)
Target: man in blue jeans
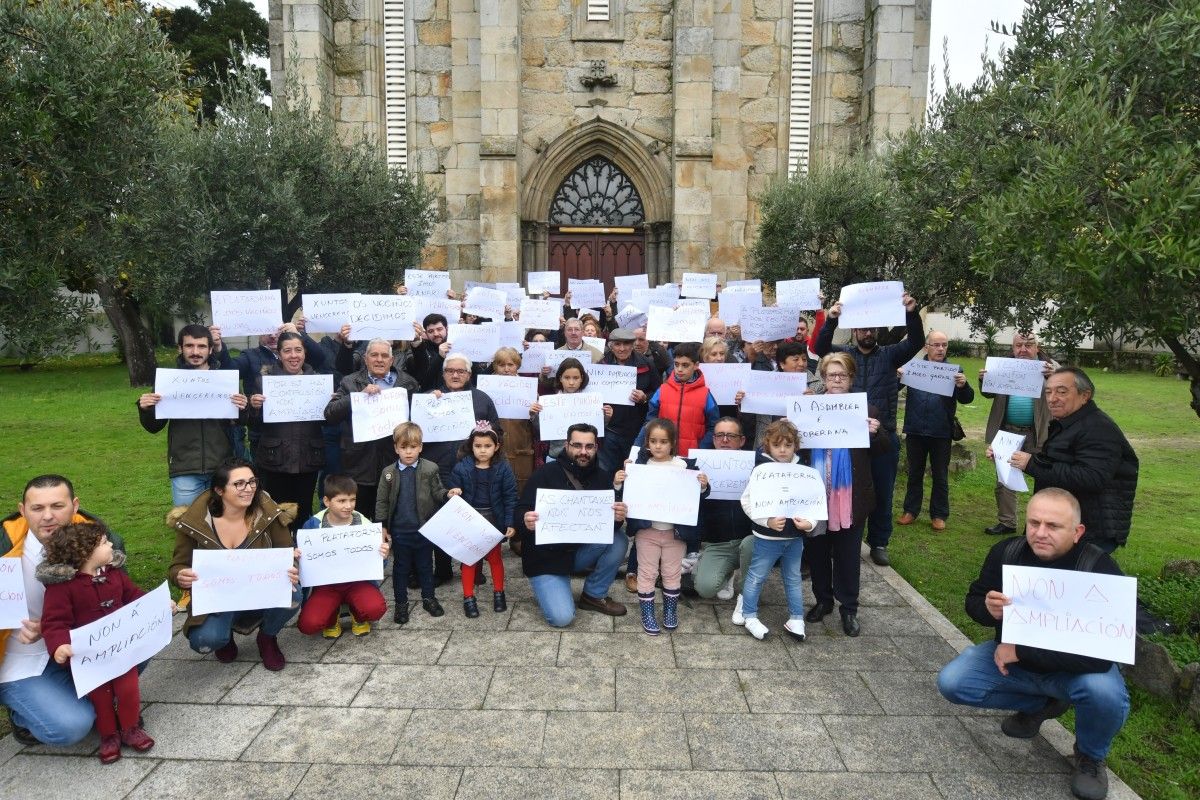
(1034,683)
(549,566)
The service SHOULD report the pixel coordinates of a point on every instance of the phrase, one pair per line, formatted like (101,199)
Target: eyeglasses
(241,486)
(728,436)
(580,446)
(455,371)
(836,376)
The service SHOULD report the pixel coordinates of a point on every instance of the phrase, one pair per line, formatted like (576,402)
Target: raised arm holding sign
(724,381)
(682,324)
(872,305)
(426,283)
(768,392)
(326,313)
(699,284)
(477,342)
(381,316)
(801,295)
(247,313)
(767,324)
(540,314)
(585,293)
(487,303)
(540,283)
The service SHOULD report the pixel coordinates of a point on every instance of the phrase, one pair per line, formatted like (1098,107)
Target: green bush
(959,348)
(1175,598)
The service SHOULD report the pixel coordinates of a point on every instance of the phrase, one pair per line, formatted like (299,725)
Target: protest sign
(561,411)
(1003,446)
(662,494)
(745,285)
(767,392)
(477,342)
(195,393)
(446,419)
(574,517)
(13,605)
(555,357)
(872,305)
(426,283)
(374,416)
(597,342)
(296,398)
(246,313)
(1021,377)
(118,642)
(513,292)
(768,324)
(540,314)
(730,305)
(381,316)
(1085,613)
(936,377)
(585,293)
(512,395)
(628,284)
(642,299)
(534,357)
(613,382)
(326,313)
(727,471)
(830,420)
(801,295)
(340,554)
(698,302)
(461,531)
(241,580)
(683,324)
(786,490)
(699,284)
(424,306)
(724,381)
(540,283)
(631,318)
(508,334)
(486,303)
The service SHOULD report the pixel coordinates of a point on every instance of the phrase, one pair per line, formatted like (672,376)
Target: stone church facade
(605,137)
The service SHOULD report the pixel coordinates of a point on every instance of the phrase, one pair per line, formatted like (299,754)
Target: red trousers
(320,610)
(495,561)
(124,690)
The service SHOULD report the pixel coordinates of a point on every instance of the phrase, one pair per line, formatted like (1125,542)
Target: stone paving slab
(219,780)
(471,738)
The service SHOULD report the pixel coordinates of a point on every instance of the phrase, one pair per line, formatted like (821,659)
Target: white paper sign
(381,316)
(561,411)
(768,324)
(1021,377)
(374,416)
(118,642)
(627,284)
(508,334)
(801,295)
(767,392)
(786,490)
(426,283)
(461,531)
(730,305)
(1003,446)
(326,313)
(728,471)
(449,419)
(424,306)
(830,420)
(748,284)
(936,377)
(586,292)
(699,284)
(296,398)
(555,357)
(544,282)
(614,382)
(512,395)
(514,292)
(487,303)
(534,357)
(195,393)
(682,324)
(662,494)
(724,381)
(477,342)
(246,313)
(597,342)
(1084,613)
(631,318)
(642,299)
(574,517)
(340,554)
(241,580)
(540,314)
(13,605)
(872,305)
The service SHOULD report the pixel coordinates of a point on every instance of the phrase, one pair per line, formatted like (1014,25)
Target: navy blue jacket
(687,532)
(503,488)
(929,414)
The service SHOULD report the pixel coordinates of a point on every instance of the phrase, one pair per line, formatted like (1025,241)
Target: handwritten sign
(247,313)
(724,381)
(426,283)
(767,392)
(728,471)
(1003,446)
(682,324)
(540,314)
(627,284)
(374,416)
(662,494)
(614,382)
(574,517)
(585,292)
(540,283)
(872,305)
(422,307)
(477,342)
(747,284)
(1084,613)
(699,284)
(13,605)
(295,398)
(561,411)
(381,316)
(508,334)
(326,312)
(1021,377)
(241,580)
(448,419)
(768,324)
(340,554)
(483,302)
(461,531)
(830,420)
(512,395)
(597,342)
(801,295)
(535,357)
(936,377)
(786,490)
(514,293)
(118,642)
(642,299)
(195,393)
(631,318)
(731,304)
(554,358)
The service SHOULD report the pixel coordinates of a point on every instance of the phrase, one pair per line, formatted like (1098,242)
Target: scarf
(834,467)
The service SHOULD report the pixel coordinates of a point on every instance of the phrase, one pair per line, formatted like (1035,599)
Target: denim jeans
(766,552)
(217,629)
(186,488)
(553,592)
(1100,698)
(883,473)
(46,704)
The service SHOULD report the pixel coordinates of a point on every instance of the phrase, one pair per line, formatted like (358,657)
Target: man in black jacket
(1086,454)
(1035,683)
(725,528)
(623,427)
(549,566)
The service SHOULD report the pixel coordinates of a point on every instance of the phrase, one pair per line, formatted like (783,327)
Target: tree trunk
(1191,365)
(136,341)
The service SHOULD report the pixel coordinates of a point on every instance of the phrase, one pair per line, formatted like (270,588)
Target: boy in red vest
(684,399)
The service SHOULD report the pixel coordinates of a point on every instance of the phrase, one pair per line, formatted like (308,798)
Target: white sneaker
(737,618)
(756,628)
(726,591)
(795,628)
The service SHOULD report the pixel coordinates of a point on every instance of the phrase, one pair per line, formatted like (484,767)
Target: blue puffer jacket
(503,486)
(687,532)
(929,414)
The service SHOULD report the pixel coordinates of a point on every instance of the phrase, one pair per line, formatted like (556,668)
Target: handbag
(957,433)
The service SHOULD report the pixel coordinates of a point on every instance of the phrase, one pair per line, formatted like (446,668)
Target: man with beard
(549,566)
(429,348)
(194,446)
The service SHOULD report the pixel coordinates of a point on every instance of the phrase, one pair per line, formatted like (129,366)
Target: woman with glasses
(235,514)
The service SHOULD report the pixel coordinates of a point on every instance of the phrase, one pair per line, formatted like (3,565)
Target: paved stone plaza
(504,707)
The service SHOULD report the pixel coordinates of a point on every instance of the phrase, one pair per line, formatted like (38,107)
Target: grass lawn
(78,417)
